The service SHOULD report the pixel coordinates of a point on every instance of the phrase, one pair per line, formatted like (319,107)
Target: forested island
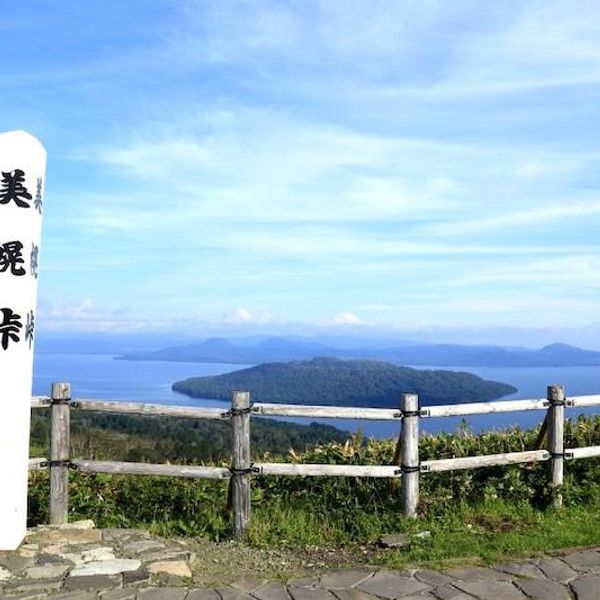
(335,382)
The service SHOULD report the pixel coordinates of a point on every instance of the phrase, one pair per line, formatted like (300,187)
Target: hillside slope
(442,355)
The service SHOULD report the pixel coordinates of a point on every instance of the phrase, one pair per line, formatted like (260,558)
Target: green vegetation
(103,436)
(331,381)
(490,513)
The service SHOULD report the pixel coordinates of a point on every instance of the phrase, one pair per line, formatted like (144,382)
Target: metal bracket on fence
(237,472)
(422,468)
(237,412)
(406,469)
(564,402)
(54,401)
(569,454)
(411,413)
(422,412)
(59,463)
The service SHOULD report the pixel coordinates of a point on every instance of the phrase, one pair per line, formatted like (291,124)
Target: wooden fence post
(59,453)
(556,447)
(240,463)
(410,453)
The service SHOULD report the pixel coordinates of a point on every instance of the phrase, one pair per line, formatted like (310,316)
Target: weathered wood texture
(327,412)
(133,408)
(409,453)
(540,440)
(318,470)
(59,453)
(484,408)
(241,467)
(132,468)
(240,463)
(396,460)
(38,464)
(556,448)
(40,402)
(490,460)
(581,401)
(577,453)
(333,412)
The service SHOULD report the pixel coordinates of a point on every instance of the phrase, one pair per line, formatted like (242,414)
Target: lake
(99,376)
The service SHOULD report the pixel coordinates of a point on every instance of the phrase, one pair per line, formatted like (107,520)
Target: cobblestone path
(79,562)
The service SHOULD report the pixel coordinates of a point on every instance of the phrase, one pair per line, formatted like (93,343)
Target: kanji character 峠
(9,327)
(29,327)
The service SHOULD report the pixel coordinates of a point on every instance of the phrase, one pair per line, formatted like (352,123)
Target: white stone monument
(22,172)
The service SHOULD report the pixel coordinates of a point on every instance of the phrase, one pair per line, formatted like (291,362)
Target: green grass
(486,514)
(498,531)
(488,532)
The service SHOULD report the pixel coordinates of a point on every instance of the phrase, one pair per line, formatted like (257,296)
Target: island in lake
(335,382)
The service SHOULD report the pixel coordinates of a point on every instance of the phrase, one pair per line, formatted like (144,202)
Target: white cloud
(543,213)
(546,42)
(432,50)
(581,273)
(536,168)
(385,148)
(256,166)
(240,316)
(309,33)
(265,168)
(90,316)
(346,318)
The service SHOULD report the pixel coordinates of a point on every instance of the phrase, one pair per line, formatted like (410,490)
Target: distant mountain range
(331,381)
(281,349)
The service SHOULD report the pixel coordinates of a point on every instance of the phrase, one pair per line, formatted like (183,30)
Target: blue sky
(426,169)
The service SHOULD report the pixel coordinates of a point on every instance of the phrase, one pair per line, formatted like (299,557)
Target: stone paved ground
(79,562)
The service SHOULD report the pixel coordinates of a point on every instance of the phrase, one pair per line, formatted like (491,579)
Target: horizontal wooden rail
(38,464)
(484,408)
(158,410)
(240,470)
(581,401)
(327,412)
(40,402)
(320,470)
(132,468)
(588,452)
(489,460)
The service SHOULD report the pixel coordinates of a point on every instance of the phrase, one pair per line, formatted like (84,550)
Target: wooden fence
(409,470)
